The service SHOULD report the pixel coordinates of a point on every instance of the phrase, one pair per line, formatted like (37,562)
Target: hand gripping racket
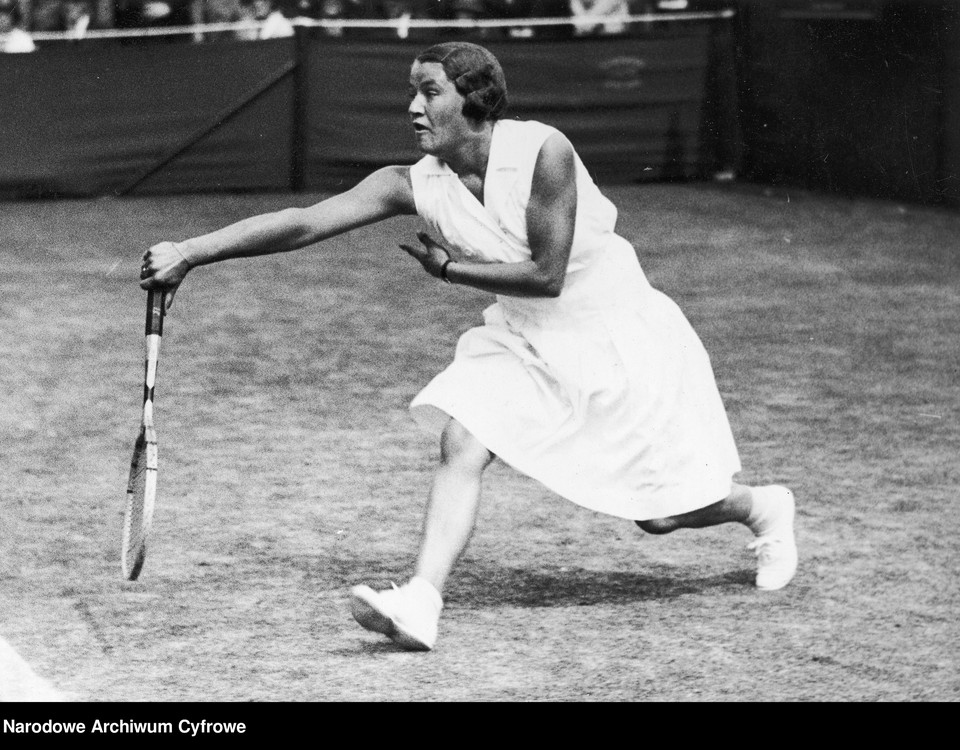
(142,484)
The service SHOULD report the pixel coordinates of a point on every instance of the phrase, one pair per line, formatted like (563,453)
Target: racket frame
(143,466)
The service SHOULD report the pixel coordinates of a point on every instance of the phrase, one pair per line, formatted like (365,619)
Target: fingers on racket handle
(156,302)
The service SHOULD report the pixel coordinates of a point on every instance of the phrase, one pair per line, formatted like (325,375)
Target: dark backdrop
(853,96)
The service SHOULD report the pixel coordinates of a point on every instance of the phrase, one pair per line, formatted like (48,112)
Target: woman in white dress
(582,376)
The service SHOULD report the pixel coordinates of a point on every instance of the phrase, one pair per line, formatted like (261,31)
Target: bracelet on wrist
(443,270)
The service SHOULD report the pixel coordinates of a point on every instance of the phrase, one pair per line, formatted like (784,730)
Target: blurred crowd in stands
(20,19)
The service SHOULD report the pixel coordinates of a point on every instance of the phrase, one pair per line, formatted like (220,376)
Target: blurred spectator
(78,17)
(481,10)
(215,11)
(273,24)
(518,10)
(588,16)
(331,10)
(139,14)
(511,10)
(301,8)
(75,17)
(13,38)
(468,10)
(402,11)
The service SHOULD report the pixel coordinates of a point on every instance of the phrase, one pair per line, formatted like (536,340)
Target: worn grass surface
(290,469)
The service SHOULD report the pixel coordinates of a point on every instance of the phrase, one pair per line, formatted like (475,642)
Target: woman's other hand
(432,255)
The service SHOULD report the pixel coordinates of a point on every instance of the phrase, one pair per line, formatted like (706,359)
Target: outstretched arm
(385,193)
(551,219)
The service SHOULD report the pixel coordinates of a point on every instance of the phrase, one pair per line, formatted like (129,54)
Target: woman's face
(436,110)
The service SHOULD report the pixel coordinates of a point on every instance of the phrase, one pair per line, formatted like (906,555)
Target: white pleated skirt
(606,395)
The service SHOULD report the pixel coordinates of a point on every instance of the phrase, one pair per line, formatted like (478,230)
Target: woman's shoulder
(527,129)
(519,142)
(525,136)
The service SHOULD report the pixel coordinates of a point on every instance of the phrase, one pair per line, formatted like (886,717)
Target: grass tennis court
(290,470)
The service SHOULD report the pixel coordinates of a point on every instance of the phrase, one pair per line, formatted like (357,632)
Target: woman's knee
(461,450)
(657,525)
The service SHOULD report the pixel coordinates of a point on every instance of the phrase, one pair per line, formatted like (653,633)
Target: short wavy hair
(475,73)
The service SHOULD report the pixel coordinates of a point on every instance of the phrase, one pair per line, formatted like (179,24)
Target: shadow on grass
(479,585)
(578,587)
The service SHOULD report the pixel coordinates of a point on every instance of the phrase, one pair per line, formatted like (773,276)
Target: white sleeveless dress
(604,394)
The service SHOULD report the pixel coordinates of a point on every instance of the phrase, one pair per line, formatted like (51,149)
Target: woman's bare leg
(767,511)
(409,614)
(453,505)
(735,508)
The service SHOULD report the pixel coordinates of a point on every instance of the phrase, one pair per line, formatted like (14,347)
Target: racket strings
(141,488)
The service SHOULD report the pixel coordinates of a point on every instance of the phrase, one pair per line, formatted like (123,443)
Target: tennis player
(582,375)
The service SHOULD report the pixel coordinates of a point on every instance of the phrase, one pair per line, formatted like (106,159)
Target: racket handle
(156,302)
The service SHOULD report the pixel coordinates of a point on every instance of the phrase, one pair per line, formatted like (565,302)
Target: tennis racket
(142,484)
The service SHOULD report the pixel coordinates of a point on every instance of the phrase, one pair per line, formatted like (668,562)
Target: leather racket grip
(156,302)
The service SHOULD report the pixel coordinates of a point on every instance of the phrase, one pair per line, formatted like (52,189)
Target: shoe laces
(392,595)
(765,547)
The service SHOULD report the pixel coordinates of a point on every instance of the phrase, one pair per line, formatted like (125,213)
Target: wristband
(443,270)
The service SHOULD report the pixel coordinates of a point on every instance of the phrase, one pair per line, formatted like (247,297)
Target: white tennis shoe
(776,549)
(408,615)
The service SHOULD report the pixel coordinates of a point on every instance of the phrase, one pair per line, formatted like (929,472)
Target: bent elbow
(552,287)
